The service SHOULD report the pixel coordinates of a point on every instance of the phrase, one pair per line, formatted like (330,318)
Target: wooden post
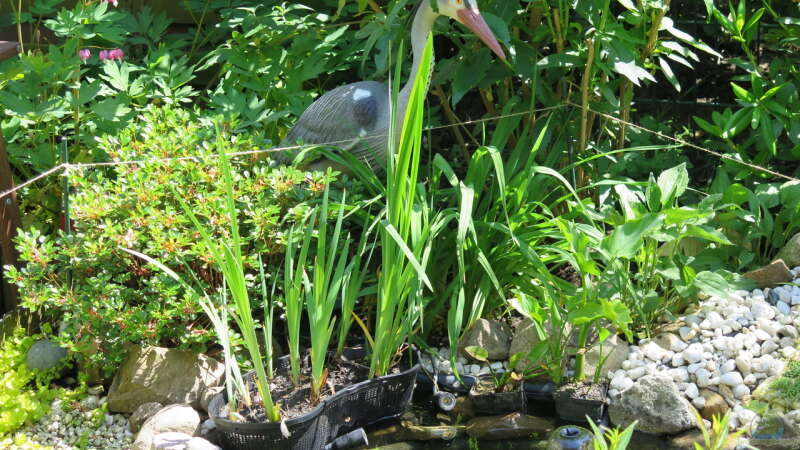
(9,210)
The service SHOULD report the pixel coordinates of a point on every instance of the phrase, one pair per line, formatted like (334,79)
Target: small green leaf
(478,353)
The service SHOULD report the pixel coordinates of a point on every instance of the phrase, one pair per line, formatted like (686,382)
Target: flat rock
(181,441)
(170,419)
(162,375)
(790,253)
(656,403)
(44,355)
(614,350)
(771,275)
(491,335)
(142,413)
(510,426)
(715,404)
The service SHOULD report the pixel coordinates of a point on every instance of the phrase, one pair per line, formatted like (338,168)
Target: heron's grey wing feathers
(352,117)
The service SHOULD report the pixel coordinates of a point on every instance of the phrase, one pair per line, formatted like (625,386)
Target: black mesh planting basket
(353,407)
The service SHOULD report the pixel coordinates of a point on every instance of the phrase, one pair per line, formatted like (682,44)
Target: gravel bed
(85,425)
(730,346)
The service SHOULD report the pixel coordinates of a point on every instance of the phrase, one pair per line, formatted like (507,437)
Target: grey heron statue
(356,117)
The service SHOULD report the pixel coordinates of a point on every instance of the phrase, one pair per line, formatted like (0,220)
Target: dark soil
(582,391)
(296,401)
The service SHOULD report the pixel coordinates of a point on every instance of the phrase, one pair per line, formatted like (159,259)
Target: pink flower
(103,55)
(84,54)
(113,2)
(116,54)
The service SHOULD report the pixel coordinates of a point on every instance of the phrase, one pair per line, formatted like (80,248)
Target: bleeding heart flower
(113,2)
(103,55)
(116,54)
(84,54)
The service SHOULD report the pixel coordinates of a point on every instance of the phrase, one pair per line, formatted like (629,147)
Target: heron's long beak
(472,19)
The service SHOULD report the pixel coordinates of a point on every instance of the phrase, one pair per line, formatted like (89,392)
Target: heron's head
(467,13)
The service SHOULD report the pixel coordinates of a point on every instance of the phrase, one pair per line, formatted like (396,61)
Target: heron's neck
(420,29)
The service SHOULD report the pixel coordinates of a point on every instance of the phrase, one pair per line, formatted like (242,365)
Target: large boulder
(613,350)
(790,253)
(155,374)
(491,335)
(44,355)
(142,413)
(526,338)
(770,275)
(170,419)
(656,403)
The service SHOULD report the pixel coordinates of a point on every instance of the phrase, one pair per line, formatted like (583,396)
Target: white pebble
(693,353)
(692,391)
(740,390)
(762,310)
(731,378)
(637,373)
(784,308)
(699,402)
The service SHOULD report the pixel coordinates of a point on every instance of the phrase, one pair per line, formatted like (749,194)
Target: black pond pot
(486,401)
(351,408)
(540,396)
(572,407)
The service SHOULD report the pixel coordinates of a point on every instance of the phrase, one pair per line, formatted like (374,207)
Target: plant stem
(626,89)
(375,7)
(585,84)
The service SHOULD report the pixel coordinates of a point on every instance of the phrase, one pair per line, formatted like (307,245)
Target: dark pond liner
(573,409)
(352,407)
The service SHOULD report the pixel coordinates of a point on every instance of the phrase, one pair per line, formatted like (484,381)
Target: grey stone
(44,355)
(181,441)
(166,376)
(525,339)
(208,394)
(614,350)
(790,253)
(172,418)
(171,441)
(142,413)
(770,275)
(491,335)
(656,403)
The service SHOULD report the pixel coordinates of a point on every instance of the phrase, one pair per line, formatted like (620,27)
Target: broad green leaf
(673,183)
(625,241)
(712,283)
(707,233)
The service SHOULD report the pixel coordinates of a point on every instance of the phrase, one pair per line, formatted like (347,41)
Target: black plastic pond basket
(353,407)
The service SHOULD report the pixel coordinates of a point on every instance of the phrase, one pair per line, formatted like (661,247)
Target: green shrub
(115,298)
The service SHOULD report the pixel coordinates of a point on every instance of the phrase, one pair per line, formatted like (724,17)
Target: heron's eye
(458,2)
